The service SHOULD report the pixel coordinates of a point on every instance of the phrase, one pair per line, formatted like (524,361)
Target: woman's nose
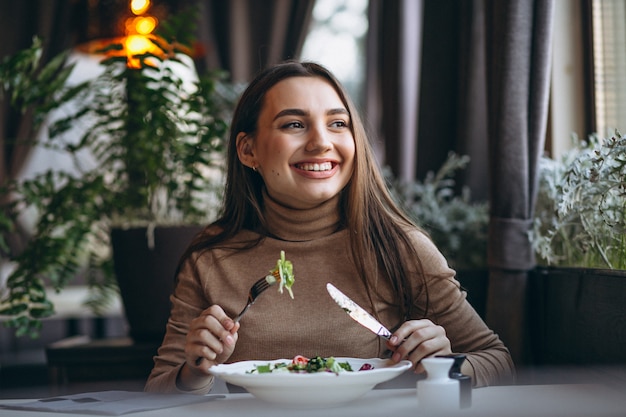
(319,140)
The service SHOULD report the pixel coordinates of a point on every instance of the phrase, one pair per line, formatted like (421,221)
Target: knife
(357,312)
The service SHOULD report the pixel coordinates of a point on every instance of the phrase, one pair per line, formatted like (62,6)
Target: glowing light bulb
(137,44)
(145,25)
(139,7)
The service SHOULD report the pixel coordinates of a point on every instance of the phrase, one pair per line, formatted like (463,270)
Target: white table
(569,400)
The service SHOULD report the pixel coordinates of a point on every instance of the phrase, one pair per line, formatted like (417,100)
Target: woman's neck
(301,224)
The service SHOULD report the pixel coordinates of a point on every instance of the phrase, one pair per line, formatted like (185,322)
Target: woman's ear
(245,150)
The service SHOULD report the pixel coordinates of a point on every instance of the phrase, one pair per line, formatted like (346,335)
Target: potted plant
(579,237)
(457,225)
(580,216)
(149,154)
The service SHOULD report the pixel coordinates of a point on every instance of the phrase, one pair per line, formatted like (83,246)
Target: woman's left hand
(418,339)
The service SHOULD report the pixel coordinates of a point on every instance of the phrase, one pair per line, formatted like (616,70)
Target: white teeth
(324,166)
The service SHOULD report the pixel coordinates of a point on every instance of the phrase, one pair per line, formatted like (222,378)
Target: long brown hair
(378,228)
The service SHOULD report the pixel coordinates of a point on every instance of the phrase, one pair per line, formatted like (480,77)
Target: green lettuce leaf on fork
(283,272)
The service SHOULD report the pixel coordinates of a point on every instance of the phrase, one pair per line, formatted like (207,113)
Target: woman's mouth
(323,166)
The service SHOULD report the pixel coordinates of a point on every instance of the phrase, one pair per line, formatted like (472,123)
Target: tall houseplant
(149,154)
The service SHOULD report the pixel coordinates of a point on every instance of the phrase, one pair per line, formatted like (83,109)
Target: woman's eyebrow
(300,112)
(339,110)
(291,112)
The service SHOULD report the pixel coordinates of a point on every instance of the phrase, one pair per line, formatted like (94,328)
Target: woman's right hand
(210,341)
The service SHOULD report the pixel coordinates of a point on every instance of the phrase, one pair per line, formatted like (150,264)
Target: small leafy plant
(457,225)
(580,215)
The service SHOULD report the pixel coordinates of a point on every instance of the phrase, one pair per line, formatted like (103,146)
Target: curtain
(244,36)
(382,86)
(471,130)
(519,40)
(447,106)
(483,92)
(393,81)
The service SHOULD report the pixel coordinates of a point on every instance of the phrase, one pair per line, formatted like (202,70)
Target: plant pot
(145,275)
(577,316)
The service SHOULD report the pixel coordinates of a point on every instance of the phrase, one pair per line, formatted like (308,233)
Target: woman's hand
(418,339)
(210,341)
(212,336)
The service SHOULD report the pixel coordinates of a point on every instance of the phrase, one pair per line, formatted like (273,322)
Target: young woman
(302,179)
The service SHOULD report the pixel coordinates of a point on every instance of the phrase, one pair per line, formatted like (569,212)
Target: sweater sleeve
(467,332)
(188,301)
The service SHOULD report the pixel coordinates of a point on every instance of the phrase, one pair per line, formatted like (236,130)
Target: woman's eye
(293,125)
(339,124)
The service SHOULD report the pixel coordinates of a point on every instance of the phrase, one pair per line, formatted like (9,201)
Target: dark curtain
(483,92)
(244,36)
(471,108)
(519,41)
(383,79)
(452,110)
(441,81)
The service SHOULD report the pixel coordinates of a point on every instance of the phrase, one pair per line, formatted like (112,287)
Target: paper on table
(113,403)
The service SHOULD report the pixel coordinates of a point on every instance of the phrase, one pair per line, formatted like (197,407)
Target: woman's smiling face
(303,146)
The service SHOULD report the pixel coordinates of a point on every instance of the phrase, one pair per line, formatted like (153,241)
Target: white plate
(318,390)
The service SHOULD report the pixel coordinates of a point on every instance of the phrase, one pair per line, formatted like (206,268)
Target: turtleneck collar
(300,225)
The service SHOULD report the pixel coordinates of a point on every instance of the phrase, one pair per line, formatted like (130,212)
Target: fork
(257,288)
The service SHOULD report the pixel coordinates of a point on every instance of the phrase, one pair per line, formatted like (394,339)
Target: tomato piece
(300,360)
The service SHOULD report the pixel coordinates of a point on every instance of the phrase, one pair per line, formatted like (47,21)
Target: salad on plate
(303,365)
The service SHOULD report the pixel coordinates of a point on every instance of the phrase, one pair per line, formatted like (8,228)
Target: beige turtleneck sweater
(311,324)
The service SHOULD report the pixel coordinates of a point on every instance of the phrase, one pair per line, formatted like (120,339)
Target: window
(337,41)
(589,72)
(609,65)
